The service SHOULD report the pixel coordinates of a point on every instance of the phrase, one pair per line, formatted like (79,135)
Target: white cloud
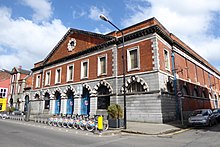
(27,41)
(95,12)
(189,20)
(102,30)
(42,9)
(78,14)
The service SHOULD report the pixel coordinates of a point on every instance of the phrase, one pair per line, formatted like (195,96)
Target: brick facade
(150,85)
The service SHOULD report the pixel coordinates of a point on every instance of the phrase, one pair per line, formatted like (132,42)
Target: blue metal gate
(85,102)
(70,105)
(57,104)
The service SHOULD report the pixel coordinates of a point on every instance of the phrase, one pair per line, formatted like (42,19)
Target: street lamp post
(123,64)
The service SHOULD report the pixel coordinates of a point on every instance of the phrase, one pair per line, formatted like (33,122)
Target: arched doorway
(85,102)
(47,101)
(57,102)
(70,102)
(103,97)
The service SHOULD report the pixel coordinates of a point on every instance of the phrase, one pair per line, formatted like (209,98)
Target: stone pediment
(75,41)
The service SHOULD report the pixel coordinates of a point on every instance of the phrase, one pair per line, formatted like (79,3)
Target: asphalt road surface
(22,134)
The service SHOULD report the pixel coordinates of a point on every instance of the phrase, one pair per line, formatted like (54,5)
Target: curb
(174,133)
(165,133)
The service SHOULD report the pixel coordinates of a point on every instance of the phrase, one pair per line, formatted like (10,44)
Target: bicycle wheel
(54,124)
(105,126)
(70,125)
(59,124)
(89,127)
(75,126)
(64,124)
(82,127)
(50,123)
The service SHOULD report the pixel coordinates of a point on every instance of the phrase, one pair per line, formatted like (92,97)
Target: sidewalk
(150,128)
(153,128)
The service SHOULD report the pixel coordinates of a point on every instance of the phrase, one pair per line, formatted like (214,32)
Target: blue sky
(31,28)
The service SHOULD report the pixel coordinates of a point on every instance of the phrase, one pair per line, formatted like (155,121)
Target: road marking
(174,133)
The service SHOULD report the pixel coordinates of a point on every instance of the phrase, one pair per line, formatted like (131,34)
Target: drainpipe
(210,86)
(175,84)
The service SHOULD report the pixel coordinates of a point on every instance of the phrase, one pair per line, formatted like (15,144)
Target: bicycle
(92,124)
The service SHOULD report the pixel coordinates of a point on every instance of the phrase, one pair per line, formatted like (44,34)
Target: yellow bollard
(100,123)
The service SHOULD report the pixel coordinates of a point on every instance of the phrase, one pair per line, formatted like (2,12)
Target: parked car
(4,115)
(216,112)
(202,117)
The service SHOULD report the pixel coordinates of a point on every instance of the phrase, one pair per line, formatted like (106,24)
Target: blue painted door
(57,104)
(70,105)
(85,103)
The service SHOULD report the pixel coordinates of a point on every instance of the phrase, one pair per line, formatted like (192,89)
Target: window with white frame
(13,78)
(3,92)
(37,85)
(102,66)
(84,69)
(47,79)
(133,58)
(166,60)
(58,76)
(70,70)
(19,88)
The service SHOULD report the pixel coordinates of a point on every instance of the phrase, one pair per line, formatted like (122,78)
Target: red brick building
(83,74)
(4,88)
(17,87)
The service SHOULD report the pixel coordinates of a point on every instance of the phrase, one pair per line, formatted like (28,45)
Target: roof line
(70,31)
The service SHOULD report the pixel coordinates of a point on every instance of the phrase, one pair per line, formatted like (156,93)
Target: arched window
(47,101)
(103,97)
(203,94)
(170,87)
(57,102)
(70,102)
(195,92)
(37,96)
(135,87)
(185,91)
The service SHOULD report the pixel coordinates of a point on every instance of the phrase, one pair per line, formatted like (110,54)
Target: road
(22,134)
